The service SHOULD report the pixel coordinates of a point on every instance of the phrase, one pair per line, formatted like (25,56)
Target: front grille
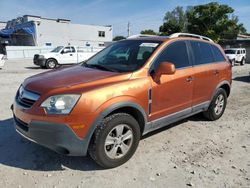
(26,98)
(22,125)
(27,103)
(36,56)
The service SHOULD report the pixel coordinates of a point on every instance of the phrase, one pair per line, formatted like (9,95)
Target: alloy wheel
(118,141)
(219,104)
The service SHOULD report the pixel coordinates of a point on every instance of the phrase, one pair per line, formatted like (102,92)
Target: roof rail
(140,36)
(190,35)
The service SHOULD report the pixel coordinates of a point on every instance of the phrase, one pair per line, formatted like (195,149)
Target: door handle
(189,79)
(216,72)
(70,54)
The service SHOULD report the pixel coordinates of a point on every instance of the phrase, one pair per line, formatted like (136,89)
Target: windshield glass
(123,56)
(230,51)
(57,49)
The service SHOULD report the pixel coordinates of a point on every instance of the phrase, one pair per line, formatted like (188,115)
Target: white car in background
(236,55)
(2,60)
(62,55)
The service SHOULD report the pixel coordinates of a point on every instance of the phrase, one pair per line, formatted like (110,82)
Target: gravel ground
(193,152)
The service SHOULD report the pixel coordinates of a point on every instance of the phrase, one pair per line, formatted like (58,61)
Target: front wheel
(51,64)
(217,105)
(115,140)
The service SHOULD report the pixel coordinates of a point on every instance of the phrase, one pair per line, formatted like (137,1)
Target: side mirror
(165,68)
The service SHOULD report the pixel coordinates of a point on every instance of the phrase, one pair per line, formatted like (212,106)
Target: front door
(172,95)
(66,56)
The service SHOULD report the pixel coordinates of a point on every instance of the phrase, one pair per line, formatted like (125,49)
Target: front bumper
(58,137)
(39,61)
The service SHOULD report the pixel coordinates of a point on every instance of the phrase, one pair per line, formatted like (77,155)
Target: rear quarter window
(218,56)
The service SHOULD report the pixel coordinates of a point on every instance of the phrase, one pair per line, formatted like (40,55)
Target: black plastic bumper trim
(58,137)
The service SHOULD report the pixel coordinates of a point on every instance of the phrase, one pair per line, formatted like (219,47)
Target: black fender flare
(109,110)
(224,82)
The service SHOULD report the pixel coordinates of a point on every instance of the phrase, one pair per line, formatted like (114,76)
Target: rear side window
(202,53)
(218,56)
(175,53)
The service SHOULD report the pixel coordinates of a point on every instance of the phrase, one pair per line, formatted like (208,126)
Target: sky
(142,14)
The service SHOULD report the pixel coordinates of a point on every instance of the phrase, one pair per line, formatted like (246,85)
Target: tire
(51,64)
(217,105)
(243,61)
(106,147)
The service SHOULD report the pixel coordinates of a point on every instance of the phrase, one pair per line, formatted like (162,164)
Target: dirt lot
(193,152)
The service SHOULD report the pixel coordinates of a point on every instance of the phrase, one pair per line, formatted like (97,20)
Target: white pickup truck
(60,56)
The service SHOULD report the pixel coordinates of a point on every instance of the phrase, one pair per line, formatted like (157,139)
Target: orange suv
(103,106)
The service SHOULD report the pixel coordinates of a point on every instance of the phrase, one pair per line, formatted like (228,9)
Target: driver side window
(67,50)
(175,53)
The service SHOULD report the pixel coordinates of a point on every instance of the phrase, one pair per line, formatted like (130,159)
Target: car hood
(76,77)
(231,56)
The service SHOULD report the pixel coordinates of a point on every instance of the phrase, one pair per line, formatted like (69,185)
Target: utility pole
(128,29)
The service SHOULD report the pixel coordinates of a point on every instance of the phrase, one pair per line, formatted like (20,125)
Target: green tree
(174,21)
(117,38)
(214,20)
(148,32)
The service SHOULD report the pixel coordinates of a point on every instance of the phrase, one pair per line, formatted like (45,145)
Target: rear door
(206,73)
(173,94)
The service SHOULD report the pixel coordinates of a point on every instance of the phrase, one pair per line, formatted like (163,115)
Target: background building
(2,25)
(32,34)
(37,31)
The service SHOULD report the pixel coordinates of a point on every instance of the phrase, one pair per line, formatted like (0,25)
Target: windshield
(57,49)
(230,51)
(123,56)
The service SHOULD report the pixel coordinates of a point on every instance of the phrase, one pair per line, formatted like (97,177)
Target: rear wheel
(217,105)
(51,64)
(115,140)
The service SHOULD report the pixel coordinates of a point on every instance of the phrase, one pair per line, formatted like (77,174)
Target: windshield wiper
(97,66)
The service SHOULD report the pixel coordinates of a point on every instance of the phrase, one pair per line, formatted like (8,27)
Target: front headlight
(60,104)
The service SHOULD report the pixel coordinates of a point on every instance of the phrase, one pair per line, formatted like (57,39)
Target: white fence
(25,52)
(28,52)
